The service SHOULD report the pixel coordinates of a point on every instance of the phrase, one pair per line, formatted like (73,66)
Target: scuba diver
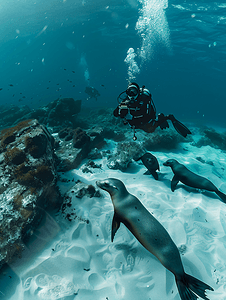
(138,110)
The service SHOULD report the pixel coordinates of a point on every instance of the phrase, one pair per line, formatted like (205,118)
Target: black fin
(221,195)
(155,175)
(190,285)
(115,226)
(180,128)
(147,173)
(174,183)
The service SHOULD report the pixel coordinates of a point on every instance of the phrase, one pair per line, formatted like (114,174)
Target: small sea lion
(152,235)
(151,163)
(181,173)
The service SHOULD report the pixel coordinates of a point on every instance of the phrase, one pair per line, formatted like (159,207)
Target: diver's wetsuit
(137,112)
(141,114)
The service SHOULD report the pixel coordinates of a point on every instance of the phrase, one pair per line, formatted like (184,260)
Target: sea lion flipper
(155,174)
(190,283)
(174,183)
(147,172)
(115,226)
(221,195)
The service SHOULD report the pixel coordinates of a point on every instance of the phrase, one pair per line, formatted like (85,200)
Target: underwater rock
(79,190)
(164,140)
(27,183)
(114,135)
(135,150)
(80,138)
(10,115)
(212,138)
(71,153)
(95,154)
(90,164)
(199,158)
(119,161)
(103,121)
(58,113)
(125,153)
(66,134)
(209,162)
(63,109)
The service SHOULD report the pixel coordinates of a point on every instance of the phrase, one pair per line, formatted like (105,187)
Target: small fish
(23,97)
(92,92)
(65,69)
(73,71)
(10,84)
(20,93)
(1,89)
(57,84)
(47,88)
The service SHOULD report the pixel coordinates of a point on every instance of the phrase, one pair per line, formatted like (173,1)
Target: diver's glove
(162,120)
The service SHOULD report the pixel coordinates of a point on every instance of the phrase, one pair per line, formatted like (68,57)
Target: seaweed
(44,173)
(25,176)
(33,178)
(14,156)
(7,135)
(36,146)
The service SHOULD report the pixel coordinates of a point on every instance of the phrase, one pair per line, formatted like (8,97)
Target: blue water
(179,48)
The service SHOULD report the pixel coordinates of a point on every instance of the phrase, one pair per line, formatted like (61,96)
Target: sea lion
(181,173)
(151,163)
(152,235)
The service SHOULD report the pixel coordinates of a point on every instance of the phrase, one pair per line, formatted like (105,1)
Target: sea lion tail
(221,195)
(190,288)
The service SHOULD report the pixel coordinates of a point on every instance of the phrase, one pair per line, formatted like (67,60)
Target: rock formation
(27,184)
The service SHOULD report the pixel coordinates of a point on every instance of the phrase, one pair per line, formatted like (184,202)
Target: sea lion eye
(106,184)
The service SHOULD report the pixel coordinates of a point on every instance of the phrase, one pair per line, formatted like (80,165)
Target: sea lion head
(112,186)
(170,163)
(150,161)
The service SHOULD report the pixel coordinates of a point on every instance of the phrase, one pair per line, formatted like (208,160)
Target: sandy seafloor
(76,259)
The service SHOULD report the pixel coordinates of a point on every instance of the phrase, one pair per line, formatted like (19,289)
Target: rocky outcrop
(210,137)
(27,184)
(11,114)
(58,113)
(161,140)
(125,153)
(78,190)
(75,145)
